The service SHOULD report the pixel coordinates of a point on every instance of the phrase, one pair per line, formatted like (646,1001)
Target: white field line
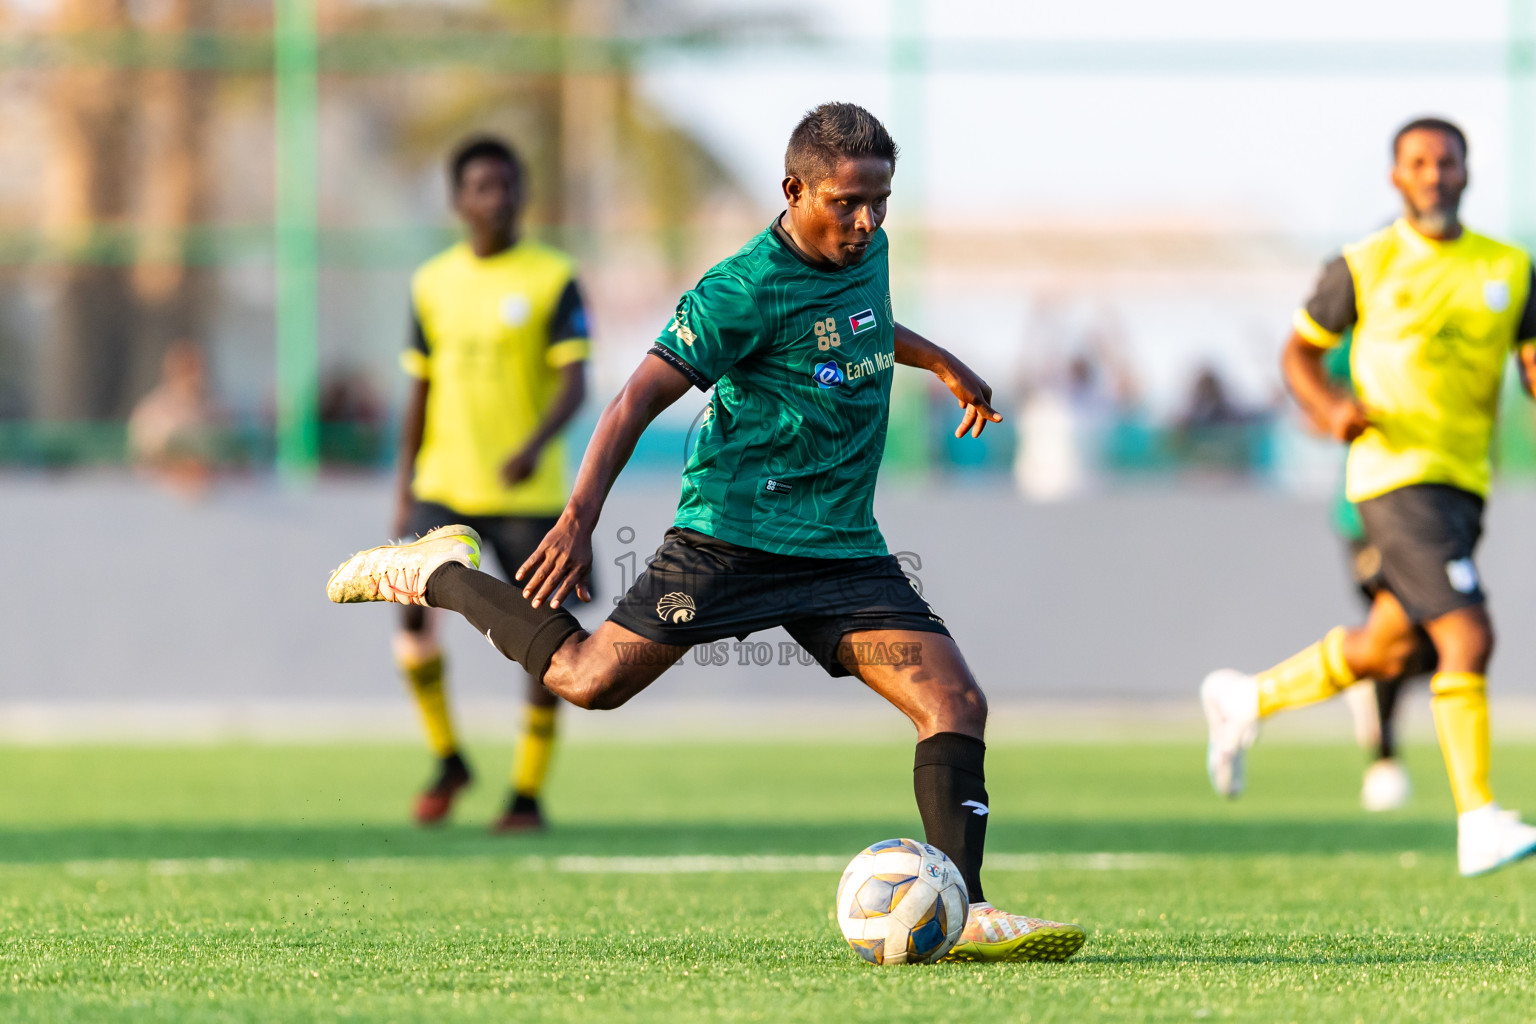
(686,864)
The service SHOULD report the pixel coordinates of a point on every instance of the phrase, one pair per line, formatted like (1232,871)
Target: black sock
(950,781)
(529,636)
(1386,703)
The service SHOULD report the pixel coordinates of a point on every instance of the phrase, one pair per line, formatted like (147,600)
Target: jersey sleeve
(716,326)
(414,359)
(568,341)
(1331,309)
(1526,331)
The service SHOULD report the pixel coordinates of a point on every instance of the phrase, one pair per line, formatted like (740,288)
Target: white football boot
(1489,838)
(1231,702)
(1386,786)
(399,572)
(996,936)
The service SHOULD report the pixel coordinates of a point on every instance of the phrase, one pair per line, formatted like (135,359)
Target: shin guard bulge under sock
(535,747)
(949,778)
(1460,706)
(425,680)
(1315,674)
(529,636)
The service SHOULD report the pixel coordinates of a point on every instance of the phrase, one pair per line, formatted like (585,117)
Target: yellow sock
(1317,673)
(1460,706)
(425,679)
(534,747)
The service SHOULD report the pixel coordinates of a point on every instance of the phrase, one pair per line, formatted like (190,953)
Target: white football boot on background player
(399,572)
(1231,702)
(1386,786)
(996,936)
(1491,837)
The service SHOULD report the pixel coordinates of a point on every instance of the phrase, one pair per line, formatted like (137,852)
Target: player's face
(488,196)
(837,216)
(1431,173)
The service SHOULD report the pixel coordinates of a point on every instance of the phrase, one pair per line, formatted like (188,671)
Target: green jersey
(800,358)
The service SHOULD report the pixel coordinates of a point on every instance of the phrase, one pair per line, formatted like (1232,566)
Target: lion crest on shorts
(676,607)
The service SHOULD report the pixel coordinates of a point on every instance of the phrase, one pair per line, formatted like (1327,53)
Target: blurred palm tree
(602,158)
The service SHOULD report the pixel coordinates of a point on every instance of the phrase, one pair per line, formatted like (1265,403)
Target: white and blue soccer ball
(901,902)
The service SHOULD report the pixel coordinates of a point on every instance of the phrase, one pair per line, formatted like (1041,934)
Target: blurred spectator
(1214,433)
(1065,420)
(351,419)
(1208,403)
(348,396)
(173,430)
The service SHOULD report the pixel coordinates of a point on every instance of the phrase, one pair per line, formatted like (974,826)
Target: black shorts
(511,538)
(1425,535)
(699,590)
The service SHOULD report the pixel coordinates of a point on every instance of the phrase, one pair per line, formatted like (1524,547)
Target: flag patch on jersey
(861,322)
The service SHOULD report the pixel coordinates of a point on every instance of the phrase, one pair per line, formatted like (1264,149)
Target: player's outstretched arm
(973,393)
(412,426)
(1334,412)
(563,560)
(573,391)
(1525,357)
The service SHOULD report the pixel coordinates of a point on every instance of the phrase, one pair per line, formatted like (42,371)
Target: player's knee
(962,708)
(598,690)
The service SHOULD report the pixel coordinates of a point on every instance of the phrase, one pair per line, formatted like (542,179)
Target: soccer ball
(901,902)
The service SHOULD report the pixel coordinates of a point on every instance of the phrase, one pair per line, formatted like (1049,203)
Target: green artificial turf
(274,884)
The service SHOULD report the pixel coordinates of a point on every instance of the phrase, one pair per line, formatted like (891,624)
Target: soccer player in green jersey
(497,362)
(776,525)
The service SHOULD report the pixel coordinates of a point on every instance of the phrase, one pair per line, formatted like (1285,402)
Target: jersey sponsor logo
(676,607)
(679,326)
(871,364)
(826,334)
(1462,574)
(827,374)
(1496,295)
(515,309)
(861,322)
(778,487)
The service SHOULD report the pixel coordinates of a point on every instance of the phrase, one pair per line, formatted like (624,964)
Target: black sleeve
(1527,329)
(570,319)
(1332,305)
(418,341)
(679,364)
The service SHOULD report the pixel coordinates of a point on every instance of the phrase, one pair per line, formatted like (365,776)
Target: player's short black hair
(480,147)
(1433,124)
(831,132)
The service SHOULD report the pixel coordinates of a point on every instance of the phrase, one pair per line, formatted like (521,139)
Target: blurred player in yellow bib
(497,360)
(1436,310)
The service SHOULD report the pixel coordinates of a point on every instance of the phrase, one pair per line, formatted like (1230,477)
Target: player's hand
(520,466)
(561,563)
(1345,420)
(974,396)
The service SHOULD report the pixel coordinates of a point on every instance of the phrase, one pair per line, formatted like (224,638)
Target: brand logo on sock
(981,808)
(675,607)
